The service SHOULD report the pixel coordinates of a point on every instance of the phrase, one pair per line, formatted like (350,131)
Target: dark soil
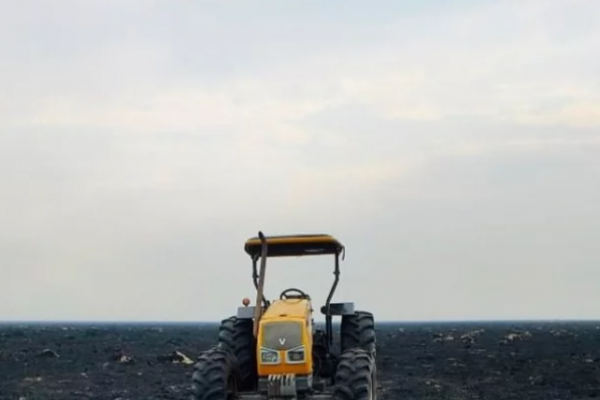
(416,361)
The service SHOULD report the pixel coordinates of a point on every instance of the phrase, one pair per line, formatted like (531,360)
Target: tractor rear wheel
(355,376)
(215,376)
(358,330)
(237,336)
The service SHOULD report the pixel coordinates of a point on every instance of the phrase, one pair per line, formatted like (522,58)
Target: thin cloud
(454,150)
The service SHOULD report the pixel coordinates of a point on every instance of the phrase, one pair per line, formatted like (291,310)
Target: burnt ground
(416,361)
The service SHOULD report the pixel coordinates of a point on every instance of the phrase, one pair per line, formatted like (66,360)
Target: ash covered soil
(549,361)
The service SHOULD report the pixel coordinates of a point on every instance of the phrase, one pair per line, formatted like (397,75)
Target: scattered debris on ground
(534,361)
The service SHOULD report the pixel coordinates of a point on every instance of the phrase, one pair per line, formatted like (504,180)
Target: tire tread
(212,372)
(358,330)
(237,337)
(354,377)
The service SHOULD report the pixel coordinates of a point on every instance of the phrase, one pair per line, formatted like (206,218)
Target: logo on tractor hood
(282,341)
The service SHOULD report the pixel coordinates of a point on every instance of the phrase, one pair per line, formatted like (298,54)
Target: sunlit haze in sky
(453,147)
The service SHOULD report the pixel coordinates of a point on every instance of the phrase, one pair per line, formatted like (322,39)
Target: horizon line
(213,322)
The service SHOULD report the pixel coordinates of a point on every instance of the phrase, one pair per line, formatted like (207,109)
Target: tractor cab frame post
(260,284)
(255,276)
(328,314)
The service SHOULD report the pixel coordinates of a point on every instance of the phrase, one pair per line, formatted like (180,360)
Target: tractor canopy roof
(294,245)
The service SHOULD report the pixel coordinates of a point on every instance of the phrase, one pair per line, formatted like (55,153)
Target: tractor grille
(282,335)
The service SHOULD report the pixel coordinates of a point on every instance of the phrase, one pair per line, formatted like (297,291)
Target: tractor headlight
(268,356)
(296,355)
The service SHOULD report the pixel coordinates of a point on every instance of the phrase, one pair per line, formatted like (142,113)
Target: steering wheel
(300,294)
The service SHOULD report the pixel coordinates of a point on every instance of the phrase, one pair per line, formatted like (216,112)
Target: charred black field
(450,361)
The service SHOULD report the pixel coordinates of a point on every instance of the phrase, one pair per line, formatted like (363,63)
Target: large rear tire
(358,330)
(237,336)
(355,376)
(215,376)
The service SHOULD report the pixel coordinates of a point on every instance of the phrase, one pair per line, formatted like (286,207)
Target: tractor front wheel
(355,376)
(215,376)
(237,336)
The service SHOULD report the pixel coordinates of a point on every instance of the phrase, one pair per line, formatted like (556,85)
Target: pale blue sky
(454,149)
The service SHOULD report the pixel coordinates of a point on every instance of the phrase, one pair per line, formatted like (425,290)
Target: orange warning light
(246,302)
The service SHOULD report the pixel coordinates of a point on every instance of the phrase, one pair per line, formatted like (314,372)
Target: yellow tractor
(274,350)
